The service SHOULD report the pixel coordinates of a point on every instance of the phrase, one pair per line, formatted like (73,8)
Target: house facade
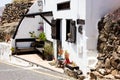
(75,27)
(72,25)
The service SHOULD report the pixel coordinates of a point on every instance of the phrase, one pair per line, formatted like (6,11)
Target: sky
(3,2)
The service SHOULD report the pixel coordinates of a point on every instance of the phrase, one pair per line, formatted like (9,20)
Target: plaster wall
(77,11)
(29,25)
(84,51)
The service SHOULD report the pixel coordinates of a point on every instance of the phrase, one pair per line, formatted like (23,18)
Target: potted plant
(42,36)
(48,52)
(40,40)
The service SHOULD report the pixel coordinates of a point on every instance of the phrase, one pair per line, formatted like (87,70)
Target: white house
(79,18)
(83,17)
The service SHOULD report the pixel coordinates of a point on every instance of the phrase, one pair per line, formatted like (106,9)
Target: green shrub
(42,36)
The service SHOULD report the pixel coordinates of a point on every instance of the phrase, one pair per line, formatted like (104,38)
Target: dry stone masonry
(11,17)
(108,65)
(13,12)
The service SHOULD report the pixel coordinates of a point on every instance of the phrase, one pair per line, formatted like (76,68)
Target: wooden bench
(24,49)
(33,45)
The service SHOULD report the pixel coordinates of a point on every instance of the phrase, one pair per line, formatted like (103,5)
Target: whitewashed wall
(84,52)
(5,50)
(29,24)
(76,11)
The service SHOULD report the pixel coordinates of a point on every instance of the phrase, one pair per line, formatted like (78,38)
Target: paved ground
(38,60)
(12,72)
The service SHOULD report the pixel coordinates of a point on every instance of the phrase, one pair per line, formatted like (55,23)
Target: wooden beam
(42,14)
(46,20)
(49,13)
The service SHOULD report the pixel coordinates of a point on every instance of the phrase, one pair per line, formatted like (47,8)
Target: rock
(97,74)
(108,71)
(107,63)
(117,76)
(102,71)
(92,76)
(114,72)
(81,77)
(114,62)
(118,66)
(118,49)
(99,64)
(109,77)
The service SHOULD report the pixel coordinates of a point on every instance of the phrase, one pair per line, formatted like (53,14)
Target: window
(63,6)
(70,31)
(67,28)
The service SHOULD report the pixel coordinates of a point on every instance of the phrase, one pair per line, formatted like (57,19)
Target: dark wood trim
(25,40)
(46,20)
(42,14)
(19,25)
(49,13)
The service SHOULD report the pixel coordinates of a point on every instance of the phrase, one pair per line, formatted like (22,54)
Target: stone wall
(11,17)
(108,65)
(13,12)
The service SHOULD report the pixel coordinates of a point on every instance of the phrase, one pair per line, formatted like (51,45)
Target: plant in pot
(48,52)
(40,40)
(42,36)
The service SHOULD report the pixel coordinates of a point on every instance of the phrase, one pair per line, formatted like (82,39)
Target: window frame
(63,6)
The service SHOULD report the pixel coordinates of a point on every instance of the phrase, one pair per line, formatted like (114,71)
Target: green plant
(42,36)
(48,49)
(12,49)
(48,52)
(32,34)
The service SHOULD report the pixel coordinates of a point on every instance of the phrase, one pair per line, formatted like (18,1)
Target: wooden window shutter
(54,29)
(73,31)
